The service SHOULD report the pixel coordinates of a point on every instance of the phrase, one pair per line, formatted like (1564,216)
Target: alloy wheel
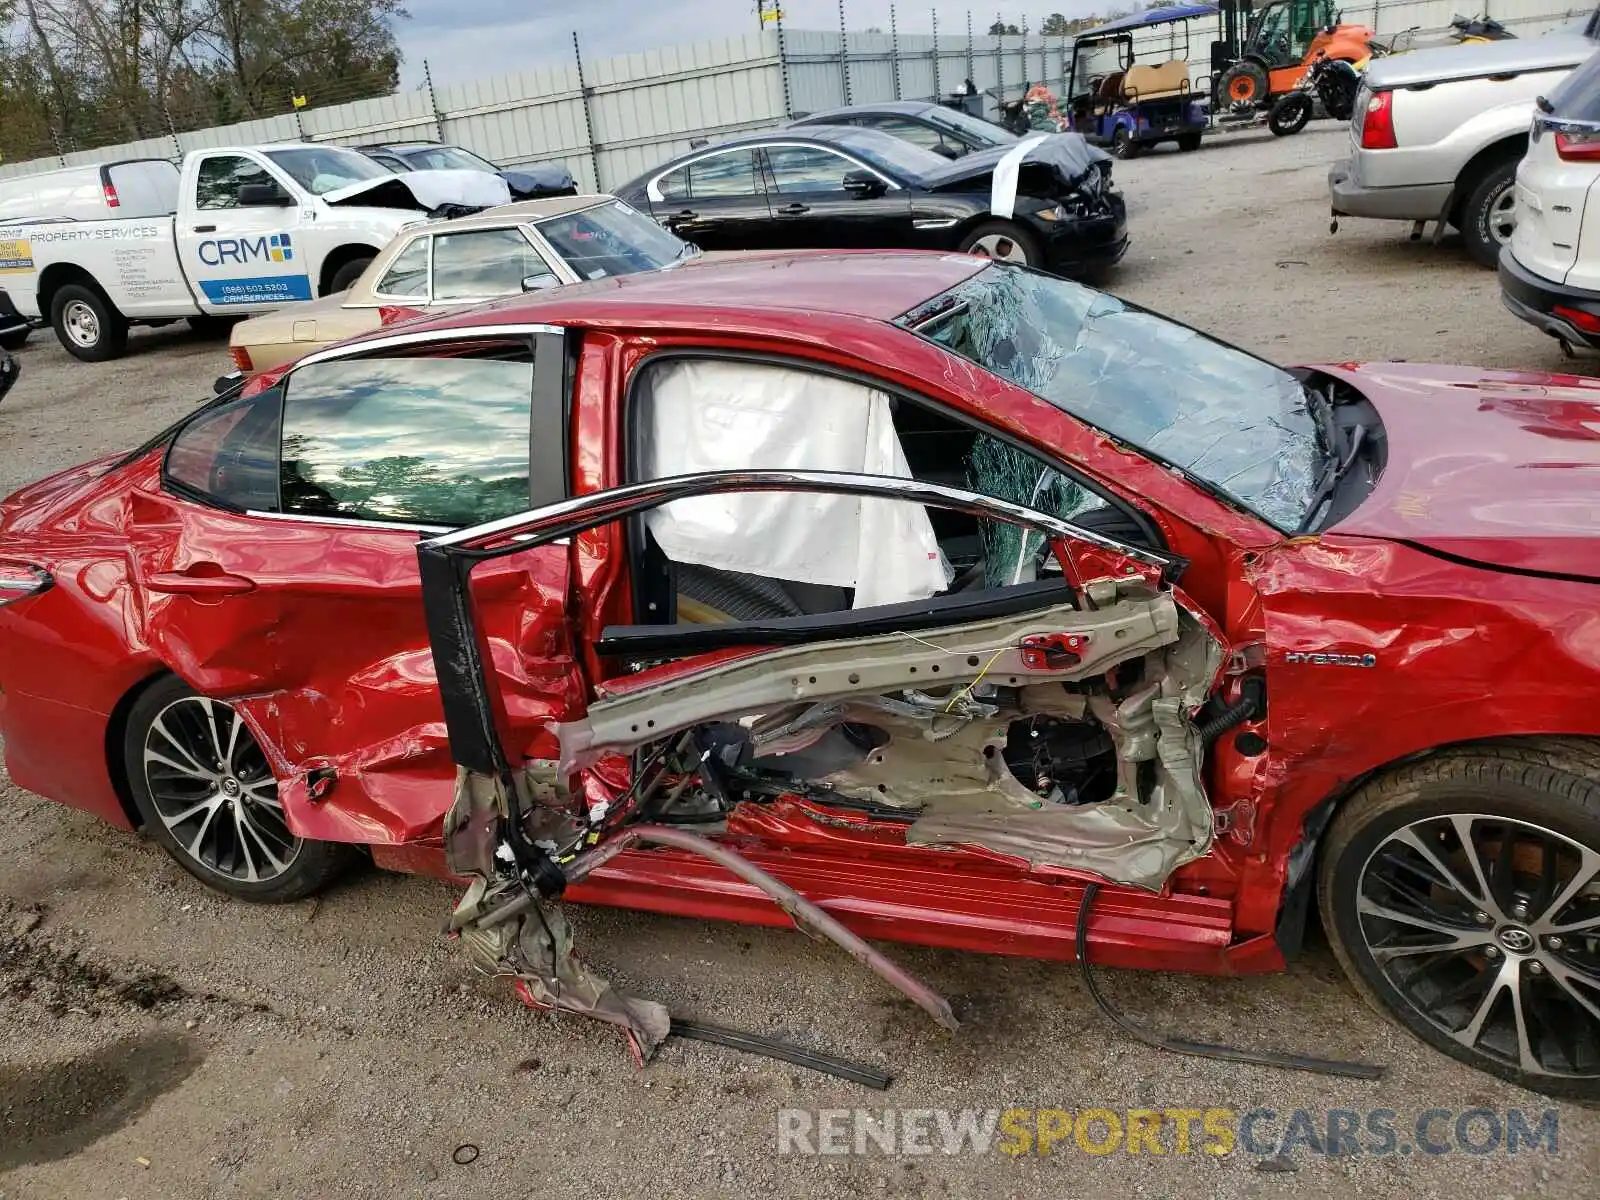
(1503,216)
(214,791)
(1489,927)
(999,246)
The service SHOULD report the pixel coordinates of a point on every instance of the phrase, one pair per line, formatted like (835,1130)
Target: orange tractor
(1280,40)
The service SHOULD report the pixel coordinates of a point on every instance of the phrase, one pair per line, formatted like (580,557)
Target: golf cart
(1281,40)
(1139,104)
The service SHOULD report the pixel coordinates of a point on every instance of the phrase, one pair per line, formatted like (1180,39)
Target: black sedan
(531,182)
(948,132)
(1045,202)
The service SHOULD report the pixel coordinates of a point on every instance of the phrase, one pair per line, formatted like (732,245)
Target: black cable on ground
(1259,1058)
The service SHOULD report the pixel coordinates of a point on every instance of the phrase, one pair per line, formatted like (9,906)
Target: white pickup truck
(246,229)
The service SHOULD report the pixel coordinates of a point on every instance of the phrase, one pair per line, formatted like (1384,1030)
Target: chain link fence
(610,119)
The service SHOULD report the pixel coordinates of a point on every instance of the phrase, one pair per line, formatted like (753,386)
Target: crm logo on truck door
(268,249)
(219,252)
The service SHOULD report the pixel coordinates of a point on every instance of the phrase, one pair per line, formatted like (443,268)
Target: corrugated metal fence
(611,119)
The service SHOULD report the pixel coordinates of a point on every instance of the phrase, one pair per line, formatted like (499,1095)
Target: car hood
(1498,468)
(425,190)
(1070,156)
(1566,47)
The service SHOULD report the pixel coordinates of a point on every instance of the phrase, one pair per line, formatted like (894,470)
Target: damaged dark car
(1045,202)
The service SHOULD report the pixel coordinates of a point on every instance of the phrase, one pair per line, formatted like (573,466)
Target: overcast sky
(462,39)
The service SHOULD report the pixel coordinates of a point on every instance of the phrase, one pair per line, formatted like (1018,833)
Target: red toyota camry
(913,597)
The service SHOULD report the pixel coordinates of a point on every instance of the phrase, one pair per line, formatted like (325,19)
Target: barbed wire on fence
(852,64)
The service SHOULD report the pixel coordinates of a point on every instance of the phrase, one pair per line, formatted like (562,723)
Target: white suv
(1550,270)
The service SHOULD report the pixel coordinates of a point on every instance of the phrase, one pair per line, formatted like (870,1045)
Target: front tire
(1123,145)
(1003,241)
(207,795)
(1243,85)
(88,325)
(1461,894)
(1489,214)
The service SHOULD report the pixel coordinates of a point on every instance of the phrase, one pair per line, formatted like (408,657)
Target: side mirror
(539,283)
(863,185)
(944,151)
(263,195)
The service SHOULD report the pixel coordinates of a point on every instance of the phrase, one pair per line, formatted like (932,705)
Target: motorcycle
(1330,80)
(1478,29)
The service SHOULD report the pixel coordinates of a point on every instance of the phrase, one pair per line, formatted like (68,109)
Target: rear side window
(229,454)
(407,275)
(730,174)
(426,441)
(1577,97)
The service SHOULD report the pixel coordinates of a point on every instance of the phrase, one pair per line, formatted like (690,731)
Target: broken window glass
(1235,423)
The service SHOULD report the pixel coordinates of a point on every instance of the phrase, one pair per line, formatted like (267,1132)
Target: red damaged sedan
(912,597)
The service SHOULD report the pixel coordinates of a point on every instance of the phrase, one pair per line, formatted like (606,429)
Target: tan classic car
(448,264)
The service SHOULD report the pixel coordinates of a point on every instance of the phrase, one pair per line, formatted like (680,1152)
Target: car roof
(830,135)
(758,294)
(400,146)
(904,108)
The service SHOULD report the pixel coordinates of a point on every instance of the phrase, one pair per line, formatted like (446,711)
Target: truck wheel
(347,275)
(14,340)
(87,324)
(1489,214)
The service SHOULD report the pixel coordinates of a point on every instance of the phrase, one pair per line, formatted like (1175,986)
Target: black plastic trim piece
(680,640)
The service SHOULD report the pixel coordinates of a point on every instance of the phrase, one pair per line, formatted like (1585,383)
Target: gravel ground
(161,1041)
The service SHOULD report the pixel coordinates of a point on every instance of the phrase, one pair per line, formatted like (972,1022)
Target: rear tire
(1188,142)
(1487,215)
(88,325)
(347,275)
(1003,241)
(216,813)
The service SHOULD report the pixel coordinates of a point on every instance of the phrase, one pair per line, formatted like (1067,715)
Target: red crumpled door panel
(327,655)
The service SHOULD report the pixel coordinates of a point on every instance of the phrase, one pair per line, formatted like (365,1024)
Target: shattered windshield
(1232,422)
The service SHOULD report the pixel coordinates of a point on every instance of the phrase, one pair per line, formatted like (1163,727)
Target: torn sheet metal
(941,707)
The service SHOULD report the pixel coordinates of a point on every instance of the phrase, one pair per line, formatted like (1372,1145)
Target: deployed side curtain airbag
(714,415)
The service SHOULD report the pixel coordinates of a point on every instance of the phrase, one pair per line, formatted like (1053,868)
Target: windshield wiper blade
(1335,471)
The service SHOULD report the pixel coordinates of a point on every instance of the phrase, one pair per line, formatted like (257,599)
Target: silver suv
(1437,134)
